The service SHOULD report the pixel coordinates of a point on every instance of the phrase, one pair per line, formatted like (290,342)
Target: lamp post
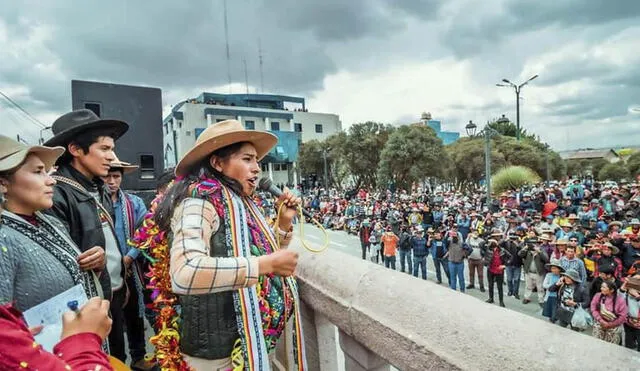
(546,161)
(487,132)
(517,88)
(326,177)
(41,141)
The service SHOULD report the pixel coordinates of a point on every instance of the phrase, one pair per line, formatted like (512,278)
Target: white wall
(330,124)
(194,118)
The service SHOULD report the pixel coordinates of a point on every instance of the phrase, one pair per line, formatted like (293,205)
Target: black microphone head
(264,184)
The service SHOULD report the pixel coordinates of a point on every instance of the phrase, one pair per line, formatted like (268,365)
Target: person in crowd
(609,311)
(514,265)
(534,268)
(363,234)
(631,297)
(456,253)
(129,211)
(79,348)
(404,249)
(571,294)
(571,262)
(38,259)
(551,297)
(390,246)
(420,251)
(495,258)
(438,248)
(605,273)
(605,255)
(475,260)
(223,253)
(82,202)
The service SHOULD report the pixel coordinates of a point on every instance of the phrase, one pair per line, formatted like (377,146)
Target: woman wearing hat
(551,297)
(38,259)
(232,272)
(571,294)
(604,255)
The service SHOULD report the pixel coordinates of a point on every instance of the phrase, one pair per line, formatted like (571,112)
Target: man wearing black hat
(82,201)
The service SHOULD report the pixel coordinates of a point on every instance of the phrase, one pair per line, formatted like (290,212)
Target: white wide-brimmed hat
(220,135)
(13,153)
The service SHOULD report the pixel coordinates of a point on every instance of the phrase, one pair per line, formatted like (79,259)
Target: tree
(466,157)
(633,164)
(512,178)
(509,129)
(613,172)
(310,158)
(411,154)
(363,145)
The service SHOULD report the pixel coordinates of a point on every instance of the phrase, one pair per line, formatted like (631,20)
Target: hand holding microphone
(286,198)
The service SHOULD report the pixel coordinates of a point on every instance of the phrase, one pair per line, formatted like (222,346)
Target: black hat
(67,126)
(605,268)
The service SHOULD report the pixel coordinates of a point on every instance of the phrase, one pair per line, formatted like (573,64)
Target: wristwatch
(285,235)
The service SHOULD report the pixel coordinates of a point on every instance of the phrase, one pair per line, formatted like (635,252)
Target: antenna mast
(246,74)
(226,37)
(260,59)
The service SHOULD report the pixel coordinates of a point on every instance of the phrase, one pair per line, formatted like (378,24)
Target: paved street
(350,244)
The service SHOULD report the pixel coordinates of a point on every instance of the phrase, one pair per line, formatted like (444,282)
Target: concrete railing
(387,317)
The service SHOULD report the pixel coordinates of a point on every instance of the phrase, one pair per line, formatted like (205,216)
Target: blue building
(447,137)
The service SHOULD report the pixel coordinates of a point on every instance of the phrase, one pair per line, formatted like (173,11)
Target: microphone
(265,184)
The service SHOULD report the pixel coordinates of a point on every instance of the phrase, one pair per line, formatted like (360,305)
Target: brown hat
(222,134)
(13,153)
(126,167)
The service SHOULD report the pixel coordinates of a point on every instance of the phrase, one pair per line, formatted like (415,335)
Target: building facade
(447,137)
(141,108)
(286,117)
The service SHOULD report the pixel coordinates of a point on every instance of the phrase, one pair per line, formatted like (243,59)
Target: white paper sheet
(49,315)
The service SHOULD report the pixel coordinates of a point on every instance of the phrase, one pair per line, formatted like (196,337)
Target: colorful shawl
(129,221)
(261,311)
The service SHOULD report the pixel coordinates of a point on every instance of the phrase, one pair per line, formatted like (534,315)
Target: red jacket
(19,350)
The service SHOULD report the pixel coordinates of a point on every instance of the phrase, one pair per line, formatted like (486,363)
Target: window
(147,168)
(297,127)
(250,125)
(318,128)
(95,107)
(264,167)
(275,126)
(219,120)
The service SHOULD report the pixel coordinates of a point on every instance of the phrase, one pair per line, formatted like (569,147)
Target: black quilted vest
(208,328)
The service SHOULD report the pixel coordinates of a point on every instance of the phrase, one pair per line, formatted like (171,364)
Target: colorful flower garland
(155,246)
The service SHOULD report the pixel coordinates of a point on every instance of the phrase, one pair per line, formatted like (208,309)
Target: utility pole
(487,164)
(326,177)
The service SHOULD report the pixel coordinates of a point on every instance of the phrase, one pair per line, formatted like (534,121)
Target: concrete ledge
(419,325)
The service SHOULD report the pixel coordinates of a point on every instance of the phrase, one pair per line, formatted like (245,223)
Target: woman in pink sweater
(609,312)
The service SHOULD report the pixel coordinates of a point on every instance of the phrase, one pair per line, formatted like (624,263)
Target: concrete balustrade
(387,317)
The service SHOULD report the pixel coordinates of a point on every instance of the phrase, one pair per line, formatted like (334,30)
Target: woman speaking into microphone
(230,269)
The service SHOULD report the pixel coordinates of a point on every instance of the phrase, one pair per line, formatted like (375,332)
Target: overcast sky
(382,60)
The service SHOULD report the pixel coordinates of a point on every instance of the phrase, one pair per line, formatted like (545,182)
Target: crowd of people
(575,244)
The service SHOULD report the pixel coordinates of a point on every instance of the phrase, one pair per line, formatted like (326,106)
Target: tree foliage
(467,161)
(363,146)
(582,167)
(633,164)
(412,153)
(615,172)
(509,129)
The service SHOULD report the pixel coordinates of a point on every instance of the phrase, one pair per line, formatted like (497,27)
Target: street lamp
(546,161)
(324,157)
(517,88)
(487,132)
(41,138)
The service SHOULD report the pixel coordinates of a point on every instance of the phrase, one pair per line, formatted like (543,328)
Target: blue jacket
(419,245)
